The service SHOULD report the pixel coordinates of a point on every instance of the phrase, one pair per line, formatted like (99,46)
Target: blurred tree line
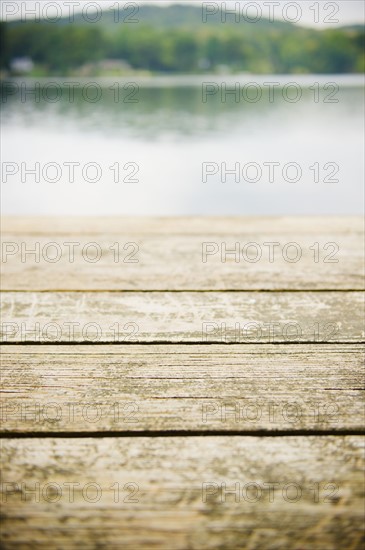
(62,49)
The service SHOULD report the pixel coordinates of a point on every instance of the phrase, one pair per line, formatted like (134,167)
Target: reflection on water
(169,141)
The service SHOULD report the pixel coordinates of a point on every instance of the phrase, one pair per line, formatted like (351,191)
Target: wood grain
(283,398)
(214,317)
(187,388)
(175,511)
(169,255)
(73,225)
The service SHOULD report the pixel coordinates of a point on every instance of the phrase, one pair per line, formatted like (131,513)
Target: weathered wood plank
(168,254)
(72,225)
(177,493)
(188,388)
(214,317)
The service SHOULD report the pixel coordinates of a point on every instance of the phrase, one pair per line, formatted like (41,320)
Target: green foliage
(56,48)
(159,43)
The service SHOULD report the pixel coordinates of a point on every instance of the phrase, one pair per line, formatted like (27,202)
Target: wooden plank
(187,388)
(214,317)
(72,225)
(176,493)
(168,254)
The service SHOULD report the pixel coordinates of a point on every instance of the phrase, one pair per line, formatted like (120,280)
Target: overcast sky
(345,11)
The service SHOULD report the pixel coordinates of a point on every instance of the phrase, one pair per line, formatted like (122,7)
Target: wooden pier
(182,383)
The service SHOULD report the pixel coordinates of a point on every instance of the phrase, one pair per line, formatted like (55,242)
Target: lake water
(180,146)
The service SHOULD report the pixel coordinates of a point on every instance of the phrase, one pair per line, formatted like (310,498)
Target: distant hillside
(176,16)
(190,17)
(175,39)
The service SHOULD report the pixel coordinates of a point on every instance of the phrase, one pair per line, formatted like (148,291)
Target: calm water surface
(159,149)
